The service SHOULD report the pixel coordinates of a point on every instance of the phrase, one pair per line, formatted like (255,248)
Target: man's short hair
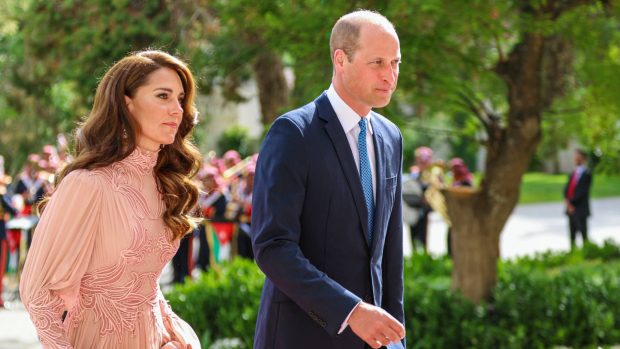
(346,31)
(581,152)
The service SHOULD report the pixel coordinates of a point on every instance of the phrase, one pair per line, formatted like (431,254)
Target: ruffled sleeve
(179,330)
(60,254)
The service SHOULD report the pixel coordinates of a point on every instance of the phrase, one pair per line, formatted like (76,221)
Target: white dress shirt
(350,124)
(349,120)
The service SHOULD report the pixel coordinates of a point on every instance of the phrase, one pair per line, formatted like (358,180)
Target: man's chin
(382,103)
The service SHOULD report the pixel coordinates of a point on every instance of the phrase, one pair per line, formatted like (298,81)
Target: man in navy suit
(577,198)
(326,221)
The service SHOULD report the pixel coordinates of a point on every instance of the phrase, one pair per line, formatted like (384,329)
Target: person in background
(6,210)
(30,186)
(213,202)
(577,198)
(244,198)
(461,177)
(421,172)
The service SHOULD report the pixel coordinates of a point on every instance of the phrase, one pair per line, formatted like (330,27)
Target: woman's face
(157,107)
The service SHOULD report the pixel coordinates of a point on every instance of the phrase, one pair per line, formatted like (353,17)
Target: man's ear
(339,57)
(129,103)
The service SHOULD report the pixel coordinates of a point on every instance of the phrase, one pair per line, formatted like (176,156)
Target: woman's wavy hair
(109,134)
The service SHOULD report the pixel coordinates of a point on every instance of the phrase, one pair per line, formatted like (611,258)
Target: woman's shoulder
(91,179)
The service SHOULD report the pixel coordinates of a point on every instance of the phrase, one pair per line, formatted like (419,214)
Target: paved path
(537,228)
(531,229)
(16,330)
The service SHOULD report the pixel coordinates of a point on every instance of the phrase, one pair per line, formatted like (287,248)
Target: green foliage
(237,138)
(542,187)
(590,253)
(222,303)
(52,53)
(543,301)
(597,75)
(554,298)
(52,64)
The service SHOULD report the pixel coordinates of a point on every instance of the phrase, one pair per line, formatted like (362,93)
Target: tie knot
(362,124)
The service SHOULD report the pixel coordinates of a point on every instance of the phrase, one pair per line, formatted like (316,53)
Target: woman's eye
(162,96)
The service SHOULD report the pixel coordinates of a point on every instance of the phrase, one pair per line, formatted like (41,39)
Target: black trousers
(204,254)
(577,224)
(419,231)
(244,244)
(182,259)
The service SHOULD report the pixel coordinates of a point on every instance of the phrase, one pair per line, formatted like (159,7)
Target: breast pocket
(390,190)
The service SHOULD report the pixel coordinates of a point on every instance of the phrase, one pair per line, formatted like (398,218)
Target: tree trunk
(479,217)
(475,248)
(272,87)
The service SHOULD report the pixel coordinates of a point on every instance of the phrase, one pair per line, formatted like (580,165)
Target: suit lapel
(380,182)
(343,150)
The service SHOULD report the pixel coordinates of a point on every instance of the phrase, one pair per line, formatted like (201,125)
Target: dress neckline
(143,159)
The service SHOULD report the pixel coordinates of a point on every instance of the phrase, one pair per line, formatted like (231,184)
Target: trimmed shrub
(552,299)
(222,303)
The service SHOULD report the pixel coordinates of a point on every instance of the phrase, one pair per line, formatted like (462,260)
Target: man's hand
(375,326)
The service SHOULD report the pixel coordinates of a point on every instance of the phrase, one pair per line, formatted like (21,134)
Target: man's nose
(390,74)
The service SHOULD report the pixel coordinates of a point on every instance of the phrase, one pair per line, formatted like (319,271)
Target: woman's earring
(124,133)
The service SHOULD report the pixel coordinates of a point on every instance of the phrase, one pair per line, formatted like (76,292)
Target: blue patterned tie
(366,176)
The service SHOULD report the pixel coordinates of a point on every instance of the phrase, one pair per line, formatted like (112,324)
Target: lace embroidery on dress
(108,292)
(45,312)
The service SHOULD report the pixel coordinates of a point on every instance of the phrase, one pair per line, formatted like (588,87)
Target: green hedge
(552,299)
(221,304)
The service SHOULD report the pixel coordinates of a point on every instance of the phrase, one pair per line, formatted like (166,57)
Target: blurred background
(509,87)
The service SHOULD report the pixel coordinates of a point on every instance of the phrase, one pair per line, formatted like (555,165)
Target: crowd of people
(19,196)
(421,192)
(225,203)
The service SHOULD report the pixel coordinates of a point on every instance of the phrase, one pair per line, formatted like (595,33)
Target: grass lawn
(542,187)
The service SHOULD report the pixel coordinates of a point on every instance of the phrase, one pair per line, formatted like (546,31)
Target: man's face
(370,78)
(578,159)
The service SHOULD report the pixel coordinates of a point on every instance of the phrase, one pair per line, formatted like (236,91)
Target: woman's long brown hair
(109,134)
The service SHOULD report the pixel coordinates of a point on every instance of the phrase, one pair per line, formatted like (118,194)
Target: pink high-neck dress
(97,253)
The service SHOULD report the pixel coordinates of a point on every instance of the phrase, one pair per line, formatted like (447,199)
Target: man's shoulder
(386,124)
(303,116)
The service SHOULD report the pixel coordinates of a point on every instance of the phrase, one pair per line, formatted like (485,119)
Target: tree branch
(558,7)
(475,106)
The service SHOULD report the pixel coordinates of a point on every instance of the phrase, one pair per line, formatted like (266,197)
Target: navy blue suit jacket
(310,235)
(581,196)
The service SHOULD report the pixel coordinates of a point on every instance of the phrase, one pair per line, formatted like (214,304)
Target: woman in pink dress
(117,214)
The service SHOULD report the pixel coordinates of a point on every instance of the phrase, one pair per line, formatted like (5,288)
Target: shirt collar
(346,115)
(580,169)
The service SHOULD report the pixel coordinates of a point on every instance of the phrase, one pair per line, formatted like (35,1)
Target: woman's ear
(129,103)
